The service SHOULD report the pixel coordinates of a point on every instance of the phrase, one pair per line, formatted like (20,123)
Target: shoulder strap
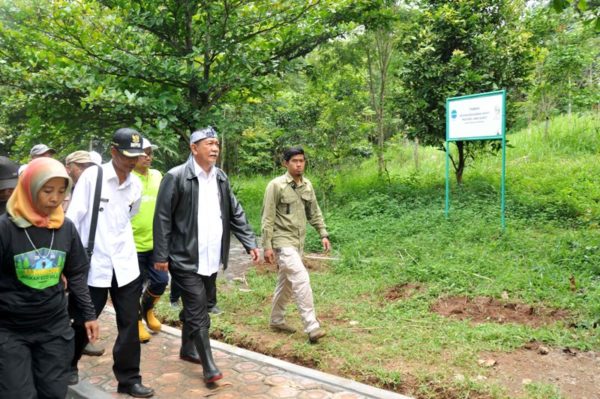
(95,210)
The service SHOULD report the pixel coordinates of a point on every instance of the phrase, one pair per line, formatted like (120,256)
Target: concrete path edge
(85,390)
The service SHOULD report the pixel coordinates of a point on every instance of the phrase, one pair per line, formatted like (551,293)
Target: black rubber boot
(188,351)
(202,342)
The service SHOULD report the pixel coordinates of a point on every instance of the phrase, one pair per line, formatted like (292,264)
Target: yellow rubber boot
(144,335)
(148,302)
(152,322)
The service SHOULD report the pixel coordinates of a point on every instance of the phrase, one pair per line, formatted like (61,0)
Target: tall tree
(382,58)
(566,69)
(162,65)
(379,57)
(459,48)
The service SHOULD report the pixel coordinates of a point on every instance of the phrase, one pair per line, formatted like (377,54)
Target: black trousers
(126,351)
(210,286)
(194,289)
(35,363)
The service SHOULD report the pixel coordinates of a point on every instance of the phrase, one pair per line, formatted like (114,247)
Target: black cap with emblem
(128,142)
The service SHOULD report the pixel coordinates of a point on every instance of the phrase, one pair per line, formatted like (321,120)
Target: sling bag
(95,210)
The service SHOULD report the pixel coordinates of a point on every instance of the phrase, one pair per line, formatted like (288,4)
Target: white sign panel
(475,117)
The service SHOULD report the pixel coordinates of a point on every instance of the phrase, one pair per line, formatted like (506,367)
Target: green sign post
(477,117)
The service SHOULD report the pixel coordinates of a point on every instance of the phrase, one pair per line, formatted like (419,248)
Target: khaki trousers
(293,280)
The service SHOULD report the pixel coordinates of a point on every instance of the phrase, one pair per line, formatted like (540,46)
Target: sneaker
(283,327)
(315,335)
(215,310)
(92,350)
(73,378)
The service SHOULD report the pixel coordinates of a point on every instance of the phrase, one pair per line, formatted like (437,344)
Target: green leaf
(560,5)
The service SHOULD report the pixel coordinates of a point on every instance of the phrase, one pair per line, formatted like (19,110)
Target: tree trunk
(416,153)
(570,105)
(377,89)
(223,154)
(461,161)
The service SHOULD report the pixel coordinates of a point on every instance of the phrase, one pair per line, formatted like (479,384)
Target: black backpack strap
(95,210)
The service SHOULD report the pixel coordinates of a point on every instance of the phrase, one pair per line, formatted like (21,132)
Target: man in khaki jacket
(289,203)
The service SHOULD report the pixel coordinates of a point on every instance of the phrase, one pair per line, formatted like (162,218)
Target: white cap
(96,158)
(147,144)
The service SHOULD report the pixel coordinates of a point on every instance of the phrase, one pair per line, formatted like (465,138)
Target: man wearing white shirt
(195,213)
(114,265)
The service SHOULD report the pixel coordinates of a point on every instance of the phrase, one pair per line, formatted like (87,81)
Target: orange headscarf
(21,206)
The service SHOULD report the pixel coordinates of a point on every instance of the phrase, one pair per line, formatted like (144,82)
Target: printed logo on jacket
(40,271)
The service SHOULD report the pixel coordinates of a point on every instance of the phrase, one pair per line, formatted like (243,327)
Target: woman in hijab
(37,245)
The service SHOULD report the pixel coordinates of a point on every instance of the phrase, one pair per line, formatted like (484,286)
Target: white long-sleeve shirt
(210,223)
(114,247)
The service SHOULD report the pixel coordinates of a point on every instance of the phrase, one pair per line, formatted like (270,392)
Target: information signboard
(475,117)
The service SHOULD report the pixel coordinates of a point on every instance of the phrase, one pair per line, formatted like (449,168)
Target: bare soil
(486,310)
(574,373)
(402,291)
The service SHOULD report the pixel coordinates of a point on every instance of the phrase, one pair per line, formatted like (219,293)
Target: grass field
(399,255)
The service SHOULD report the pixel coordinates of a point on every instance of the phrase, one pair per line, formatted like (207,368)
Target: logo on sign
(453,114)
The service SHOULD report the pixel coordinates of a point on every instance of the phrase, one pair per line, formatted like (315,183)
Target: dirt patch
(574,373)
(402,291)
(316,262)
(486,310)
(265,268)
(313,262)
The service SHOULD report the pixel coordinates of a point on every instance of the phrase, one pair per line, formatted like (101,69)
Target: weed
(388,233)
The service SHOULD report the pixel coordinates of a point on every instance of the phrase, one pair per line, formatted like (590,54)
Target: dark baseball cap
(128,142)
(9,173)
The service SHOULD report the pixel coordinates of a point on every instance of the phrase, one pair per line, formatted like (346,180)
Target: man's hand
(326,244)
(162,266)
(269,256)
(93,330)
(64,281)
(255,255)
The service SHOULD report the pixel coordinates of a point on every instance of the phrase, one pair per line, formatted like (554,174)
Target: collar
(190,171)
(289,179)
(198,171)
(111,173)
(141,176)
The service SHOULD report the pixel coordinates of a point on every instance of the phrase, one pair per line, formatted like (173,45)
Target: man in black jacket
(195,214)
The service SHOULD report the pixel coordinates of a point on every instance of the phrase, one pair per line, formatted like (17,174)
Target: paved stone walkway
(246,374)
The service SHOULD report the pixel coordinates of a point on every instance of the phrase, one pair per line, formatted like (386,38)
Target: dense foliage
(86,67)
(342,77)
(461,48)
